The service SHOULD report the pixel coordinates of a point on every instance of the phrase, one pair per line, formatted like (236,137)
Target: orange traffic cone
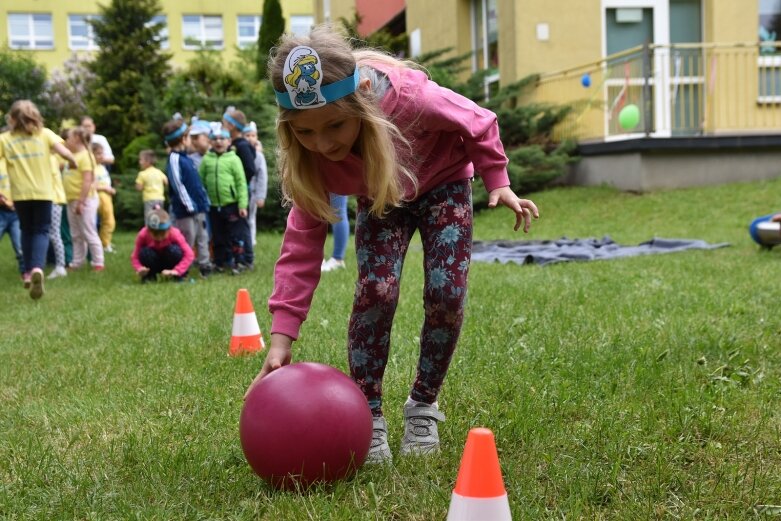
(479,492)
(246,336)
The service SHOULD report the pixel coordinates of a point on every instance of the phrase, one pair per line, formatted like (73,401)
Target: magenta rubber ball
(305,423)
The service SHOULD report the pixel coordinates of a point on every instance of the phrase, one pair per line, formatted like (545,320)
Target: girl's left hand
(243,213)
(524,209)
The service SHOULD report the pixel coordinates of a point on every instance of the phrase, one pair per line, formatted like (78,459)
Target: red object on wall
(377,14)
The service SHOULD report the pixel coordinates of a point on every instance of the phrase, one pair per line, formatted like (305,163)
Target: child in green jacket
(222,175)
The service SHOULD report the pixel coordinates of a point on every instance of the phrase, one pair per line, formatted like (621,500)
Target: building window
(81,35)
(162,34)
(300,25)
(202,31)
(30,31)
(769,26)
(769,56)
(249,27)
(485,42)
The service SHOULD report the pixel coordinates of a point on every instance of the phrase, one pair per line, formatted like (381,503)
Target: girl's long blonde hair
(384,150)
(24,117)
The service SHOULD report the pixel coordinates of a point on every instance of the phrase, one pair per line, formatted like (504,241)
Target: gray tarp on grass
(564,249)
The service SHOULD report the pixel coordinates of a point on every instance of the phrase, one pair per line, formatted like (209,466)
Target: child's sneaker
(59,271)
(420,428)
(98,269)
(332,264)
(379,450)
(26,280)
(36,283)
(109,249)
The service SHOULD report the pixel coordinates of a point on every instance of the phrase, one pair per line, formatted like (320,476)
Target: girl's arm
(297,272)
(134,260)
(261,185)
(240,184)
(87,177)
(63,151)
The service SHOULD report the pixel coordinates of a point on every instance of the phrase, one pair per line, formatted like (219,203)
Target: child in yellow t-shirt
(105,197)
(151,182)
(82,199)
(26,149)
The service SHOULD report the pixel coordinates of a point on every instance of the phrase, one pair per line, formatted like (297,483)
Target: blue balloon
(585,80)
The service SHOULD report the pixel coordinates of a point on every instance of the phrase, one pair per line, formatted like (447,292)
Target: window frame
(91,44)
(257,22)
(768,63)
(163,35)
(32,43)
(300,17)
(202,42)
(482,42)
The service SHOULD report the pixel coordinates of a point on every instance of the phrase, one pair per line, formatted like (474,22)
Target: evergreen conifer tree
(129,68)
(271,28)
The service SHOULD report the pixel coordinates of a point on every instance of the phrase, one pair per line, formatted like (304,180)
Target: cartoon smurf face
(303,77)
(308,69)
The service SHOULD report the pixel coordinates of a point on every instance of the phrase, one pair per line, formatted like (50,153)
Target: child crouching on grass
(161,249)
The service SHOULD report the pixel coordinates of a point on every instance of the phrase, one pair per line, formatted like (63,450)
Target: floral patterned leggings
(444,218)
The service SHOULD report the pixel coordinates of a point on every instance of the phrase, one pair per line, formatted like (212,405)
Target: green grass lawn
(639,388)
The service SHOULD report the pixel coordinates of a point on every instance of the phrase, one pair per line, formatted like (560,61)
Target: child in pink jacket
(363,123)
(161,249)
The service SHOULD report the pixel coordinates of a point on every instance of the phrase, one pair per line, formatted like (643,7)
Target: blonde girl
(83,201)
(408,148)
(26,149)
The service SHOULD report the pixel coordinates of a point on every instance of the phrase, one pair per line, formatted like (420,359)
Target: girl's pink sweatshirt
(451,136)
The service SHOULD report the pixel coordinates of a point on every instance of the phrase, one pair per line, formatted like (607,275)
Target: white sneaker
(332,264)
(36,283)
(109,249)
(379,451)
(421,435)
(59,271)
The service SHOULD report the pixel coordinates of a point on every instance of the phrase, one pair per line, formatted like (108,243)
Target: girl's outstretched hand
(279,354)
(524,209)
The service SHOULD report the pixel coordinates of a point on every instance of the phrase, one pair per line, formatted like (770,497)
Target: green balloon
(629,117)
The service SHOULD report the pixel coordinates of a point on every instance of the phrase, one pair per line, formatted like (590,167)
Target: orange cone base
(479,508)
(241,345)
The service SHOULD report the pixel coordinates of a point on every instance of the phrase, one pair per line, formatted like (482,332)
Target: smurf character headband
(303,76)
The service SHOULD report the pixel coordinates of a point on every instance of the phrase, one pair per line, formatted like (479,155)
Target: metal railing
(678,90)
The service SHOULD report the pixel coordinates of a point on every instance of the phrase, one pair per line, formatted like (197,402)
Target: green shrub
(20,78)
(128,205)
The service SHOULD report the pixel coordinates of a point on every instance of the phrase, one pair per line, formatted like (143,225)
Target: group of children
(217,178)
(56,196)
(40,173)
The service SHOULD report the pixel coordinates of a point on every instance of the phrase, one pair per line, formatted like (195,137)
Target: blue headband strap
(233,122)
(331,92)
(176,133)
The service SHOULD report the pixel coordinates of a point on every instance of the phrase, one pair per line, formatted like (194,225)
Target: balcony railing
(679,90)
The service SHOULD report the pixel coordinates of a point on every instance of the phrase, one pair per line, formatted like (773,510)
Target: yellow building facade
(53,30)
(703,70)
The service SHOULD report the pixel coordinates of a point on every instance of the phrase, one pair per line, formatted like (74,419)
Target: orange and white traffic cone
(479,492)
(246,336)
